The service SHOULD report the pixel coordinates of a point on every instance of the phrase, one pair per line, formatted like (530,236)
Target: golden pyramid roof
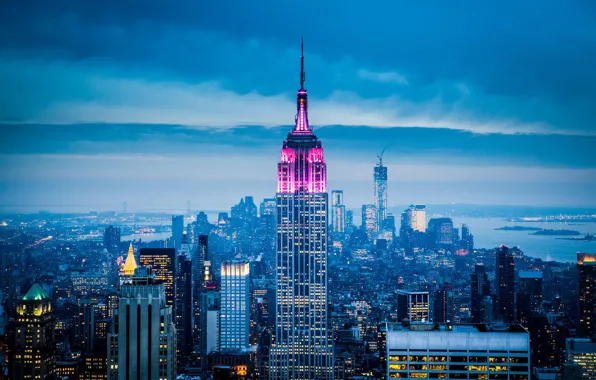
(128,269)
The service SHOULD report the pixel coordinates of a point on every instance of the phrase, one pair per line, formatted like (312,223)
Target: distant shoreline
(542,232)
(518,228)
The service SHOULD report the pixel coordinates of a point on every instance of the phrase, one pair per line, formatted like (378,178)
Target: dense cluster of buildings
(291,289)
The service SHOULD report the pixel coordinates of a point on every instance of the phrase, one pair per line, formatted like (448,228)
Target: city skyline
(162,217)
(507,117)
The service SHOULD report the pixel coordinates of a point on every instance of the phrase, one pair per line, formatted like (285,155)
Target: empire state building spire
(302,75)
(302,127)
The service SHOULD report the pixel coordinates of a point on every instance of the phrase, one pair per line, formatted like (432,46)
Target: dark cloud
(486,67)
(525,62)
(423,145)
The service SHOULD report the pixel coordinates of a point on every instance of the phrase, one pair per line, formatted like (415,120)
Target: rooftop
(466,328)
(478,337)
(36,293)
(402,291)
(586,259)
(530,274)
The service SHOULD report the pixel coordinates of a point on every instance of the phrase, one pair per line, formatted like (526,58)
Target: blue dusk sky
(158,103)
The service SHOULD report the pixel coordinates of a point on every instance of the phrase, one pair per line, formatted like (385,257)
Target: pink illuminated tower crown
(302,166)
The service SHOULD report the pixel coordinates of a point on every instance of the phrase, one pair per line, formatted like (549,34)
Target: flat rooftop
(467,328)
(530,274)
(511,338)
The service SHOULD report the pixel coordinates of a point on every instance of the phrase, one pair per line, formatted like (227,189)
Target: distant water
(543,247)
(485,236)
(148,237)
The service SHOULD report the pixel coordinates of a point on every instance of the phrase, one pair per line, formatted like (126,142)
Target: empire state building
(302,348)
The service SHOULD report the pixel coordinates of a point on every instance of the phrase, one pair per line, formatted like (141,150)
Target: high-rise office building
(267,228)
(380,192)
(389,223)
(234,320)
(440,306)
(349,218)
(582,352)
(210,309)
(184,304)
(467,239)
(416,217)
(338,211)
(163,264)
(84,326)
(440,232)
(201,227)
(185,246)
(369,221)
(586,266)
(529,295)
(145,343)
(177,230)
(413,306)
(422,351)
(480,289)
(301,347)
(111,239)
(268,207)
(505,284)
(34,345)
(198,270)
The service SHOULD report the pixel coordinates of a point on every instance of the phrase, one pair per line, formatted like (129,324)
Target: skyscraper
(369,221)
(440,305)
(111,239)
(177,230)
(198,270)
(413,306)
(84,326)
(267,207)
(349,218)
(301,348)
(209,314)
(184,304)
(427,351)
(586,265)
(34,349)
(467,239)
(267,227)
(440,231)
(416,217)
(480,290)
(582,352)
(163,264)
(529,295)
(146,338)
(505,284)
(235,305)
(338,211)
(380,192)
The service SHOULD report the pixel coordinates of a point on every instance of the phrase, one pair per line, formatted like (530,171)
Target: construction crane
(380,156)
